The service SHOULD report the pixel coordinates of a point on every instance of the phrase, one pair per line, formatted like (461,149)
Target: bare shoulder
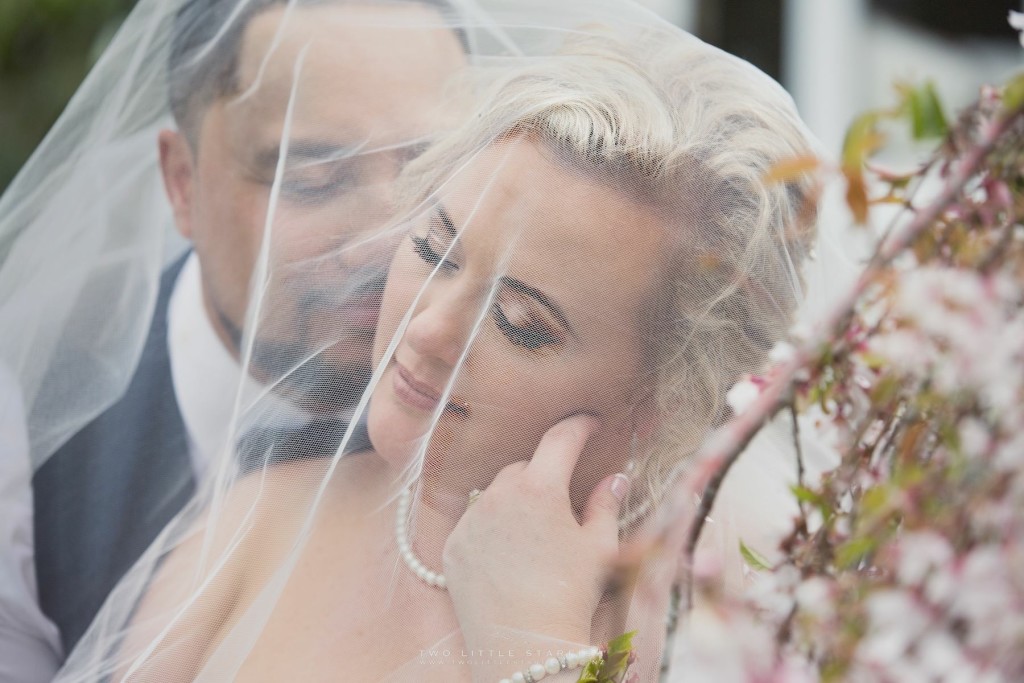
(236,542)
(287,495)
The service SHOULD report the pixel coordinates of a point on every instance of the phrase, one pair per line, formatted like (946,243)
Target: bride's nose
(441,325)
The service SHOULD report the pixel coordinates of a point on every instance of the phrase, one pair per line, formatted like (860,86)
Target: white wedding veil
(428,231)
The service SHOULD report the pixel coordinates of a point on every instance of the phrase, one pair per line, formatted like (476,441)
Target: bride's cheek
(399,293)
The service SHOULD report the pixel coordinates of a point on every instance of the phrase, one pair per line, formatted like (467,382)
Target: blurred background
(836,57)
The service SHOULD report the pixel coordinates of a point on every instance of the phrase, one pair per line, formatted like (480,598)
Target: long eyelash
(422,247)
(521,336)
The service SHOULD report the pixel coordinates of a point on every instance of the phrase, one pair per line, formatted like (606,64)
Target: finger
(605,503)
(560,448)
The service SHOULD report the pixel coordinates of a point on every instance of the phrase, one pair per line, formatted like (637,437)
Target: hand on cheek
(518,557)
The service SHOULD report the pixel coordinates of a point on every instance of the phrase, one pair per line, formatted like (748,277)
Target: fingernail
(620,486)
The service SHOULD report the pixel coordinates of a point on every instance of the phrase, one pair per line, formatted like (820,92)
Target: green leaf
(927,120)
(1013,94)
(623,643)
(617,661)
(612,668)
(887,388)
(589,673)
(853,551)
(875,499)
(754,559)
(806,495)
(861,141)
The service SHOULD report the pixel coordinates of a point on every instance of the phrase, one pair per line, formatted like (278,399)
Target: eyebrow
(305,150)
(323,151)
(517,286)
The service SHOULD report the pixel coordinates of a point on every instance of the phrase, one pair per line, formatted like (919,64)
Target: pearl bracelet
(554,665)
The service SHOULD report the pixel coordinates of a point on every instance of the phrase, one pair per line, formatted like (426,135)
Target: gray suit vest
(101,499)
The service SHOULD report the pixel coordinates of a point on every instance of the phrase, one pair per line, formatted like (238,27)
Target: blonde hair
(694,130)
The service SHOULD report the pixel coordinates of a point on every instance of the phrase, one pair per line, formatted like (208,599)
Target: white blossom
(1010,454)
(920,553)
(974,437)
(814,597)
(772,592)
(905,349)
(742,395)
(942,585)
(896,622)
(781,353)
(1016,20)
(962,333)
(941,655)
(987,600)
(723,646)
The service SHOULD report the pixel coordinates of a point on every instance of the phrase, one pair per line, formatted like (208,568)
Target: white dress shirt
(206,379)
(205,374)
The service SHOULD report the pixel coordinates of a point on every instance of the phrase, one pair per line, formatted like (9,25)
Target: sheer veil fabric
(464,223)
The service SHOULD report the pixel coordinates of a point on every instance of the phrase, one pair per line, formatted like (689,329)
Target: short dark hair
(206,37)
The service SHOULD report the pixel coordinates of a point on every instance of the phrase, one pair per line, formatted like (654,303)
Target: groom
(100,500)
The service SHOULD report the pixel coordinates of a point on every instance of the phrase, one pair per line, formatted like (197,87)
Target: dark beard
(308,379)
(316,384)
(301,368)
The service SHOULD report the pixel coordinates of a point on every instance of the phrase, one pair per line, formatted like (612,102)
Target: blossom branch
(724,447)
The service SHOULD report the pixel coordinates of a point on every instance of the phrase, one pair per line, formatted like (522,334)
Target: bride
(581,271)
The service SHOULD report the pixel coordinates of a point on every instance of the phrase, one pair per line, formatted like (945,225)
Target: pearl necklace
(431,578)
(436,579)
(535,672)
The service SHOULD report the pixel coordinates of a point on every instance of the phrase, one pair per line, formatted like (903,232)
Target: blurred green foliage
(46,49)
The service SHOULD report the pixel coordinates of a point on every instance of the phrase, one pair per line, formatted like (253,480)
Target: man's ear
(177,165)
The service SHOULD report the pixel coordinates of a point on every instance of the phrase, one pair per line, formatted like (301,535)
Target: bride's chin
(395,438)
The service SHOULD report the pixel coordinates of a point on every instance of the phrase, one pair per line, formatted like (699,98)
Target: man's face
(332,101)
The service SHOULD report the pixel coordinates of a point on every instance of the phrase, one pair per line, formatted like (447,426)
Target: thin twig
(707,501)
(799,463)
(991,258)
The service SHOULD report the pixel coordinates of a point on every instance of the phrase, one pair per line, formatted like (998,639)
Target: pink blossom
(920,553)
(771,592)
(895,622)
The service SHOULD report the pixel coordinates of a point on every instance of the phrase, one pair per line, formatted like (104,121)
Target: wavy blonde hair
(694,130)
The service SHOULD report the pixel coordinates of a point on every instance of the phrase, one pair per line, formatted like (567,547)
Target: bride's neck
(435,510)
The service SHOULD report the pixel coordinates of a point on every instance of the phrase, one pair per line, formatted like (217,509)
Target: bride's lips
(413,392)
(418,394)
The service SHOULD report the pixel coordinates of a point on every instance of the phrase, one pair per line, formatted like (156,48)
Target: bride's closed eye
(427,252)
(435,245)
(520,324)
(514,313)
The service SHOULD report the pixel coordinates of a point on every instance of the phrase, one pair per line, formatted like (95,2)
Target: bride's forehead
(516,193)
